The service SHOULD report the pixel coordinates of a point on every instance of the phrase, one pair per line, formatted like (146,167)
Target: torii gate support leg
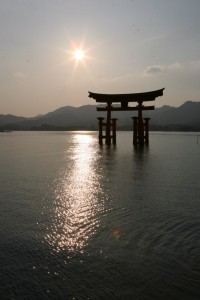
(140,125)
(100,130)
(114,130)
(146,126)
(108,124)
(135,131)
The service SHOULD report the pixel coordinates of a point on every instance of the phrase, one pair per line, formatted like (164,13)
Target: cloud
(194,65)
(19,75)
(153,70)
(154,38)
(162,68)
(117,78)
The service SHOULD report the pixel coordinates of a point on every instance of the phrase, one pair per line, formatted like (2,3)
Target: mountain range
(184,118)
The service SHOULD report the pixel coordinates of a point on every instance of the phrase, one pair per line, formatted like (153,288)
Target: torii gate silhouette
(140,124)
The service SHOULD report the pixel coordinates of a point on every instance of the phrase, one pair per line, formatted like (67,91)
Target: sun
(79,54)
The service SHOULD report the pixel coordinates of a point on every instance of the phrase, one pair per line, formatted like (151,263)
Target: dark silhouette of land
(166,118)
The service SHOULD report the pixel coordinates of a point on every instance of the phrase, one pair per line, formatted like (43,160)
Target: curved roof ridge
(131,97)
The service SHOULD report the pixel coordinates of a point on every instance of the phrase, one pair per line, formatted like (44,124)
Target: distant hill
(188,113)
(10,119)
(185,117)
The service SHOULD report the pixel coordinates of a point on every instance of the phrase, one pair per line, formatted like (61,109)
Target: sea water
(81,221)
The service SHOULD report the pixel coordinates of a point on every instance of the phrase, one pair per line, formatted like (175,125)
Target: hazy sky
(130,46)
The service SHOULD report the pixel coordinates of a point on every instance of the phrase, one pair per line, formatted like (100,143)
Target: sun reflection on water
(79,199)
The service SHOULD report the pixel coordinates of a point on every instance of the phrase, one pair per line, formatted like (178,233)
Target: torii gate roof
(135,97)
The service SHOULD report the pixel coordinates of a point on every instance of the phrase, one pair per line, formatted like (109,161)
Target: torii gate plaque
(140,124)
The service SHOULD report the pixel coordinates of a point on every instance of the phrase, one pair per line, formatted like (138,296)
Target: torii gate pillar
(112,136)
(140,131)
(146,128)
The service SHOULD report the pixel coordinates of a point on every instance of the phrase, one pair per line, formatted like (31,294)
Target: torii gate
(140,124)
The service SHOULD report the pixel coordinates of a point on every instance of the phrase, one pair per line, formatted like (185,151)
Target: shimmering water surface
(79,221)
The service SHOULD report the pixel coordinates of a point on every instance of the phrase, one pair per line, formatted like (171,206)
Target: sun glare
(79,54)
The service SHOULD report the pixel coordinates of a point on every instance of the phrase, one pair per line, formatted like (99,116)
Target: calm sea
(79,221)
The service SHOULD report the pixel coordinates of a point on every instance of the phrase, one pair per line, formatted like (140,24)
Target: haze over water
(79,221)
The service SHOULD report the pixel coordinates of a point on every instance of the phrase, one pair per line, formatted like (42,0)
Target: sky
(129,46)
